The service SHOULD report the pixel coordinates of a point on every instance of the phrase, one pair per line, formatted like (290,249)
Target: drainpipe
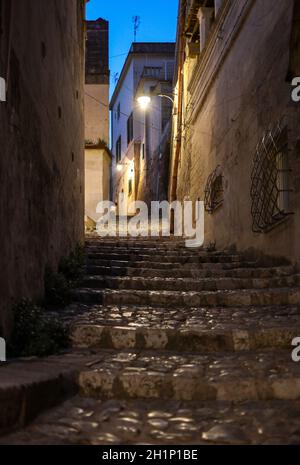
(174,180)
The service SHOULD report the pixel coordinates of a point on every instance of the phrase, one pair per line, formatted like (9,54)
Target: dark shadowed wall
(41,142)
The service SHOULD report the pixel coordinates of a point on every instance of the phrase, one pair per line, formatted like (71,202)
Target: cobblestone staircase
(184,346)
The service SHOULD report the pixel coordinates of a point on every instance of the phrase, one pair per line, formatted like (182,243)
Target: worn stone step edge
(173,258)
(165,265)
(245,273)
(103,249)
(28,387)
(183,339)
(188,284)
(191,382)
(236,298)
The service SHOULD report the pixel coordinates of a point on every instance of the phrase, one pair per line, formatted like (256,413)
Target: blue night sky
(158,24)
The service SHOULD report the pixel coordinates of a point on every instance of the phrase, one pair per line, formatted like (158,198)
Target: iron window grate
(270,179)
(213,197)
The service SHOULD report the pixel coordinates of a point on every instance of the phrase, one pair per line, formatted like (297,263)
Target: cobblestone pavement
(88,421)
(181,346)
(209,329)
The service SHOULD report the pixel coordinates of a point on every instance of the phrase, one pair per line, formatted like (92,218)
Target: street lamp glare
(144,101)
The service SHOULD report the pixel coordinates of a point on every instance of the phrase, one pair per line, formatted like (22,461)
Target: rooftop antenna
(136,24)
(116,77)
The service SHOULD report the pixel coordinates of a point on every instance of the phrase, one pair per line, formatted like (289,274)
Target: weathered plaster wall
(137,157)
(97,112)
(41,140)
(235,96)
(97,180)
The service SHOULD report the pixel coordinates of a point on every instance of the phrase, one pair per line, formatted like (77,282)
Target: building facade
(41,137)
(236,129)
(138,135)
(97,153)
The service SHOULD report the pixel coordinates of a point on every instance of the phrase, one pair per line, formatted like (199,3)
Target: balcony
(153,72)
(191,11)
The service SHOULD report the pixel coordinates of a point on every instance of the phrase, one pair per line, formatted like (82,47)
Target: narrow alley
(149,224)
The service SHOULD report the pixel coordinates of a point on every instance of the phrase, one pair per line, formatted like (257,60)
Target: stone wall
(234,91)
(42,142)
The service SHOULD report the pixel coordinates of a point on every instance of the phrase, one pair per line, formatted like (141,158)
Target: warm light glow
(144,101)
(119,167)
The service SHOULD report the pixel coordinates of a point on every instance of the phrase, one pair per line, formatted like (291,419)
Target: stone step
(85,421)
(186,377)
(137,241)
(29,386)
(171,258)
(187,284)
(166,265)
(163,251)
(244,273)
(170,299)
(199,329)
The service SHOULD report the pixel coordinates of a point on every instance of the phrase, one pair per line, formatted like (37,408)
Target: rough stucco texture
(41,140)
(248,94)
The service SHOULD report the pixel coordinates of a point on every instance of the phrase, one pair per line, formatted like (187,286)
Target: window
(130,129)
(143,151)
(119,149)
(214,191)
(270,180)
(130,187)
(170,69)
(166,113)
(119,111)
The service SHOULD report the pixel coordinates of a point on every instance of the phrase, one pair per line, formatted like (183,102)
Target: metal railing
(191,10)
(153,72)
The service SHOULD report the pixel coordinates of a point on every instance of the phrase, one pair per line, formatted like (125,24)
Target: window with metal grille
(130,129)
(270,179)
(213,197)
(119,149)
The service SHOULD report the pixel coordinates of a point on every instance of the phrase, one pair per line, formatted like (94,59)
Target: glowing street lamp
(144,101)
(121,165)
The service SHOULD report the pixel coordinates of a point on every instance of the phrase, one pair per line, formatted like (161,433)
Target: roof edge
(127,62)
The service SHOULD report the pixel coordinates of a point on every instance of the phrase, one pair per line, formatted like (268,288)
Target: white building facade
(136,133)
